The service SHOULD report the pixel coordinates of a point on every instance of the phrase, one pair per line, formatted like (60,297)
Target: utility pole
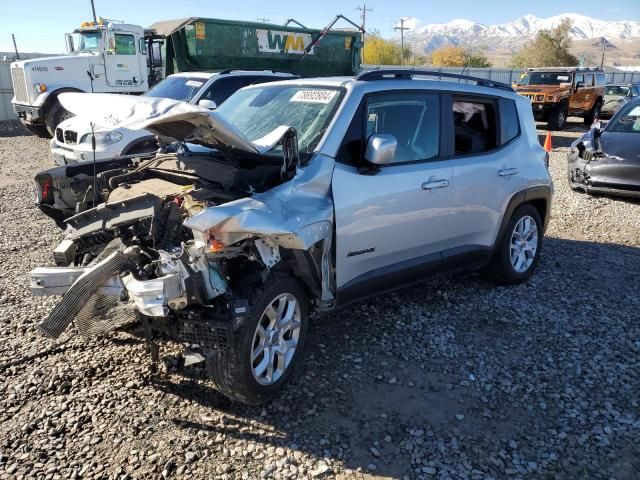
(15,46)
(603,44)
(93,9)
(402,28)
(262,19)
(363,15)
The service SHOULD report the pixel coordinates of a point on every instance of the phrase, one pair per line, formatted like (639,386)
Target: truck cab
(101,57)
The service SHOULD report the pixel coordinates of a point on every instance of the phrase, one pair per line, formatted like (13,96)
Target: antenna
(402,28)
(15,46)
(93,10)
(363,15)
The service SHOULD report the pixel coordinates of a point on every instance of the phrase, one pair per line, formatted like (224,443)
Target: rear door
(392,221)
(486,169)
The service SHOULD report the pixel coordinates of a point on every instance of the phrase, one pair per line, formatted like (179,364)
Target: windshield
(177,88)
(627,120)
(258,111)
(617,90)
(86,41)
(544,78)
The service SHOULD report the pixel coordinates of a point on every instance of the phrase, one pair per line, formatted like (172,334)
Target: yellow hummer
(557,93)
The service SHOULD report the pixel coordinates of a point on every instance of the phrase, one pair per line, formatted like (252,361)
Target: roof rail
(260,70)
(404,73)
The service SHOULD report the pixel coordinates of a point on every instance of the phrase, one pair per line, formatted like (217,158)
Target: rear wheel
(593,115)
(38,130)
(518,253)
(557,118)
(56,115)
(261,358)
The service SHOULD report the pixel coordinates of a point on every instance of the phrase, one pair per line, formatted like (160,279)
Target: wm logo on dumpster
(270,41)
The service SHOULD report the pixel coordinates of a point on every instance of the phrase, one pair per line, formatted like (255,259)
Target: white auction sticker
(193,83)
(313,96)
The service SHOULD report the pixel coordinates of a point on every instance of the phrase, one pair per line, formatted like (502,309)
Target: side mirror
(210,104)
(380,149)
(69,40)
(109,39)
(579,85)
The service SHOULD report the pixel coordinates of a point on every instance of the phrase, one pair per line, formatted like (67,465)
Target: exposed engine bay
(176,239)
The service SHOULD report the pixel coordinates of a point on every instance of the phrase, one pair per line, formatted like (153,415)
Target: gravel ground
(455,378)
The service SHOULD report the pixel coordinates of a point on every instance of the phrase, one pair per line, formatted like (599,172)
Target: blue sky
(40,25)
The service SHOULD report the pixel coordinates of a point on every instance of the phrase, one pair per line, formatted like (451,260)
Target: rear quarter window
(509,121)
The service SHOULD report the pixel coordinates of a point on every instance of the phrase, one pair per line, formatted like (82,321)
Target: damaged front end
(604,162)
(180,238)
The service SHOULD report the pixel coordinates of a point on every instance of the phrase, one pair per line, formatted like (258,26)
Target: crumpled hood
(169,119)
(621,145)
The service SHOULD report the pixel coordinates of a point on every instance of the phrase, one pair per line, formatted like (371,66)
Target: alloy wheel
(524,244)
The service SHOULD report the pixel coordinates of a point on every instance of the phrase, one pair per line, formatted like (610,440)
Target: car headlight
(103,138)
(39,87)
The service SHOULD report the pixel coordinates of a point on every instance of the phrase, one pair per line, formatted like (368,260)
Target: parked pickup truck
(558,93)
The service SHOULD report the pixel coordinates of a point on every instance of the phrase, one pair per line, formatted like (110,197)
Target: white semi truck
(102,57)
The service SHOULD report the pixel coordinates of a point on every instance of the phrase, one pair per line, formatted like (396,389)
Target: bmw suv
(292,198)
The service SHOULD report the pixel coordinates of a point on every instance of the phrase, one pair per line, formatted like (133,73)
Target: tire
(55,116)
(232,370)
(557,118)
(502,268)
(38,130)
(594,114)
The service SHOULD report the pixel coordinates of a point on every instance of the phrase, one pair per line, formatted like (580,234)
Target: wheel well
(53,96)
(540,204)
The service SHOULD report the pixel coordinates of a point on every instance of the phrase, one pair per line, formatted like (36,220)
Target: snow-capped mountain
(513,34)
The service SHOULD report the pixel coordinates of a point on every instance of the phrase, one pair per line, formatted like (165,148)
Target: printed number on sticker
(313,96)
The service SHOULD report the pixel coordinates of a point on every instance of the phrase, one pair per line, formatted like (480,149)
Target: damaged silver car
(294,197)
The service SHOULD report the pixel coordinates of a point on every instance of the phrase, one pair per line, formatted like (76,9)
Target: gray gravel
(455,378)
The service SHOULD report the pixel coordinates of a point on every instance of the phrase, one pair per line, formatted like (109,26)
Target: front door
(577,101)
(396,219)
(122,65)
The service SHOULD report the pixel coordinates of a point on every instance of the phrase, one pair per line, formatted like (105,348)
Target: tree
(550,48)
(378,51)
(452,56)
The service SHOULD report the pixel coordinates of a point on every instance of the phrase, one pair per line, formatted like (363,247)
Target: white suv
(72,140)
(304,195)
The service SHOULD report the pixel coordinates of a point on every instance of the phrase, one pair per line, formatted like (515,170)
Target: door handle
(432,184)
(505,172)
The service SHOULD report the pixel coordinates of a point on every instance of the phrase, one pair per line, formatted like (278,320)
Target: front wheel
(264,351)
(38,130)
(55,116)
(518,252)
(557,118)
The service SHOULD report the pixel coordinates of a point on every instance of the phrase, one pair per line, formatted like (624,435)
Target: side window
(412,118)
(509,121)
(579,78)
(588,80)
(223,88)
(474,125)
(125,44)
(601,79)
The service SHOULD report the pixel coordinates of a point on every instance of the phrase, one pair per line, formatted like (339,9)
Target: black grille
(70,136)
(59,136)
(207,334)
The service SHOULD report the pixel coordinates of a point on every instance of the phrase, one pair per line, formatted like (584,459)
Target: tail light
(44,188)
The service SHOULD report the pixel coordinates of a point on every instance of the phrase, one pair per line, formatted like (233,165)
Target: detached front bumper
(604,175)
(29,114)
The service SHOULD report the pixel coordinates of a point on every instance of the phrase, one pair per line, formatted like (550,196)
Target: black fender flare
(528,195)
(133,143)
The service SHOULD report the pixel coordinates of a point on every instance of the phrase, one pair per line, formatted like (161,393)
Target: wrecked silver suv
(293,197)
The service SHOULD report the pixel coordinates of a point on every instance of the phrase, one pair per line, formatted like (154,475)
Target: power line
(262,19)
(402,28)
(363,15)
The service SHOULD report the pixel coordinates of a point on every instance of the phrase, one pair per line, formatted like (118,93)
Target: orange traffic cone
(547,142)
